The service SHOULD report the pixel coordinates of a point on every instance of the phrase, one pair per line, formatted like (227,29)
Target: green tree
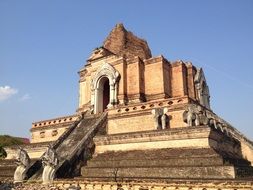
(3,154)
(6,140)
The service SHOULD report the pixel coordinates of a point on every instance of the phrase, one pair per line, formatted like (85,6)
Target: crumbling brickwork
(124,43)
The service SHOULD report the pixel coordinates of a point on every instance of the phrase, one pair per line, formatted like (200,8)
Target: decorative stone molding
(109,72)
(42,134)
(54,133)
(55,121)
(82,73)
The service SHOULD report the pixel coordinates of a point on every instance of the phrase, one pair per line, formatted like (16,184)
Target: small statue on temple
(160,118)
(23,163)
(49,161)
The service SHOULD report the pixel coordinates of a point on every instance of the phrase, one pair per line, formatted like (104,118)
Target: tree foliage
(6,140)
(3,154)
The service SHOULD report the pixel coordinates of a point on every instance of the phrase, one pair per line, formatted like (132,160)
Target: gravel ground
(11,186)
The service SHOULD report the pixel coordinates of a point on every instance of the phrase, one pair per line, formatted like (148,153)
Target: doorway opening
(106,94)
(102,95)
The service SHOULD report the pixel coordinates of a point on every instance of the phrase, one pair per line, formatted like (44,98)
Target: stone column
(97,97)
(112,90)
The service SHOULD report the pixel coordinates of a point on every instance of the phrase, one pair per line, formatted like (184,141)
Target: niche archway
(102,94)
(104,88)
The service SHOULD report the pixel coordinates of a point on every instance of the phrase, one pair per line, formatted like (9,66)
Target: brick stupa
(140,118)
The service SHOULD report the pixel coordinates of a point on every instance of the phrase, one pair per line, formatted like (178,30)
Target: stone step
(204,172)
(7,168)
(70,147)
(11,162)
(75,137)
(5,161)
(154,154)
(7,173)
(167,163)
(179,156)
(142,162)
(7,165)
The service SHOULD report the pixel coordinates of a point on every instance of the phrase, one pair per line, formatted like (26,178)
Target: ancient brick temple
(141,118)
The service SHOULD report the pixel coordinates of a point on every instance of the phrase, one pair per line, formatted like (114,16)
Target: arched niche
(104,84)
(202,89)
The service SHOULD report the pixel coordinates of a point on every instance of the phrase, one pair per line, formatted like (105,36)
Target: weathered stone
(50,162)
(23,163)
(139,94)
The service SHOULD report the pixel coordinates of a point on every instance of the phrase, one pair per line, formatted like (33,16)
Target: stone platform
(167,163)
(197,153)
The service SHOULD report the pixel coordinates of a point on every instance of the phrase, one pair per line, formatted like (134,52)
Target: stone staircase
(72,147)
(166,163)
(7,169)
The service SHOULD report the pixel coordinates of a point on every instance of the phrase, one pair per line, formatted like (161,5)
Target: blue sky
(43,44)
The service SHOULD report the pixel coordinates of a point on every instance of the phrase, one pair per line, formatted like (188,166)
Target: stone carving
(157,114)
(49,161)
(189,116)
(220,126)
(202,88)
(92,109)
(197,120)
(82,73)
(108,71)
(203,119)
(195,116)
(160,118)
(213,123)
(226,131)
(164,121)
(23,163)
